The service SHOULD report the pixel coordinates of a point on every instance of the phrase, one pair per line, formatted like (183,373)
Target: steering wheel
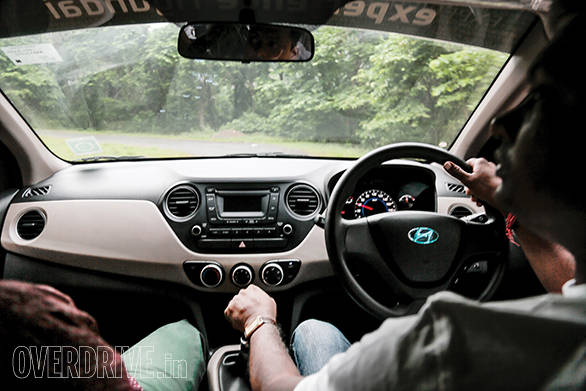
(415,253)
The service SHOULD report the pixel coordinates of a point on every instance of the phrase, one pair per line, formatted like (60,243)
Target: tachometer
(372,202)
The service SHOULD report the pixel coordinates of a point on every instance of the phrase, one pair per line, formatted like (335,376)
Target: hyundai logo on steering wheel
(423,235)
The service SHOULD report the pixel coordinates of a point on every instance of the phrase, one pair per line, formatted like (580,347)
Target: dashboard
(214,225)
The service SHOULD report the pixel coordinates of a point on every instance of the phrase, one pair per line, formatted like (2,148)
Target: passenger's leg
(314,342)
(171,358)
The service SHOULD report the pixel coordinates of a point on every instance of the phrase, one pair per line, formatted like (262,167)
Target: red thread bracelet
(511,224)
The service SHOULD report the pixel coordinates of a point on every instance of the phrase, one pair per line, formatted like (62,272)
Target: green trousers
(169,359)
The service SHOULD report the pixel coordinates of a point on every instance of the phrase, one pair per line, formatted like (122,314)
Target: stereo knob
(211,275)
(242,275)
(272,274)
(196,230)
(287,229)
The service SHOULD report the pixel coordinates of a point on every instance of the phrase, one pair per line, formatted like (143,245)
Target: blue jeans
(314,342)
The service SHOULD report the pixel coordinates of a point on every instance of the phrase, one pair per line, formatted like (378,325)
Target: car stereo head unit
(237,206)
(241,218)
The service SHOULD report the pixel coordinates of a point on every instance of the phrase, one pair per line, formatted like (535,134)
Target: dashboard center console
(241,217)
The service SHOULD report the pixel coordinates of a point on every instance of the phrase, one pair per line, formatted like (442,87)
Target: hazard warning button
(242,244)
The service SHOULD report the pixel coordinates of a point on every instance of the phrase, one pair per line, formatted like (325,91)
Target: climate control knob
(242,275)
(272,274)
(211,275)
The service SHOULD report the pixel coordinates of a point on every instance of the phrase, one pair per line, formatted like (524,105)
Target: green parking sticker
(84,145)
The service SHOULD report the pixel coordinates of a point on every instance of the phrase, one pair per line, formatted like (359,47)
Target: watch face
(256,323)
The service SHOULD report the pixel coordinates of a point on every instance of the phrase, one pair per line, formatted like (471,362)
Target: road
(186,146)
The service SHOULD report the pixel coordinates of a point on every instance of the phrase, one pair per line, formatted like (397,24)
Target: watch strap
(256,324)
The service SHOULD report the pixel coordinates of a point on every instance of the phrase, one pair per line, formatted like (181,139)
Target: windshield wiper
(263,154)
(236,155)
(105,158)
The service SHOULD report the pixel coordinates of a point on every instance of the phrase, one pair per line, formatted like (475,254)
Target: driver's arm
(270,366)
(552,263)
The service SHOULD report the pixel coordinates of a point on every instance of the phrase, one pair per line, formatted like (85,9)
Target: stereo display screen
(243,203)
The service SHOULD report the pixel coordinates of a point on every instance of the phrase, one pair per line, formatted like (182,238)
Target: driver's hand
(247,305)
(481,183)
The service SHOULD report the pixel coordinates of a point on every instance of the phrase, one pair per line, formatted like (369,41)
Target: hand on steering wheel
(415,253)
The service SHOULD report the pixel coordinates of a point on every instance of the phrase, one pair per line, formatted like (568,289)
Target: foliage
(362,87)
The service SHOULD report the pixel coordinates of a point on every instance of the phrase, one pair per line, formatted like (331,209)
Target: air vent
(30,225)
(36,191)
(181,203)
(456,187)
(460,211)
(303,200)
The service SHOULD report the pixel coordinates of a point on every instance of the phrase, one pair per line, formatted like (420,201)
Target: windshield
(124,91)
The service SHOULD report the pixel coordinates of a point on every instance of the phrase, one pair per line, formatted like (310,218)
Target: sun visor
(494,24)
(25,17)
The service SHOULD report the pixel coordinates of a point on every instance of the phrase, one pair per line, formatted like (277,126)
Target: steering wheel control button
(272,274)
(211,275)
(479,267)
(242,275)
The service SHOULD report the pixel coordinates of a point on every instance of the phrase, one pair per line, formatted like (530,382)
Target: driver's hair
(562,79)
(294,35)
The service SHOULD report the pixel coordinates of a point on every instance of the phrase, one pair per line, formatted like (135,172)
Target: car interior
(139,242)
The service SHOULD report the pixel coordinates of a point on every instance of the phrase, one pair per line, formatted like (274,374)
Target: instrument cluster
(389,189)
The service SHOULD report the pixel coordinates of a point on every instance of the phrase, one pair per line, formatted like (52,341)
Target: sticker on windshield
(84,145)
(41,53)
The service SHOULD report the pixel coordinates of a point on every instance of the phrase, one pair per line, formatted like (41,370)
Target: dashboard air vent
(456,187)
(36,191)
(460,211)
(181,202)
(303,200)
(30,225)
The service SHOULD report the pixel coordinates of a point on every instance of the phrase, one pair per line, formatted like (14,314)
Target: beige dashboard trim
(131,237)
(446,204)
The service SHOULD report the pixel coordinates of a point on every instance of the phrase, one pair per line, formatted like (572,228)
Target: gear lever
(243,354)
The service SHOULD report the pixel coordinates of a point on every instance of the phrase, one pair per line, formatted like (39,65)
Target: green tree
(365,87)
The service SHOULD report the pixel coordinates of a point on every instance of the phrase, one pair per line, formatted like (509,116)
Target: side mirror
(245,42)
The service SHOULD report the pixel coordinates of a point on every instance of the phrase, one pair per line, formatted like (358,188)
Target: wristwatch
(255,325)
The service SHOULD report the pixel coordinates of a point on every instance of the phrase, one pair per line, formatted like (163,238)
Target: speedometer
(372,202)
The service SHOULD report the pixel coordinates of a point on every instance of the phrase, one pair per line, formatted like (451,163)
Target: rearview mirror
(245,42)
